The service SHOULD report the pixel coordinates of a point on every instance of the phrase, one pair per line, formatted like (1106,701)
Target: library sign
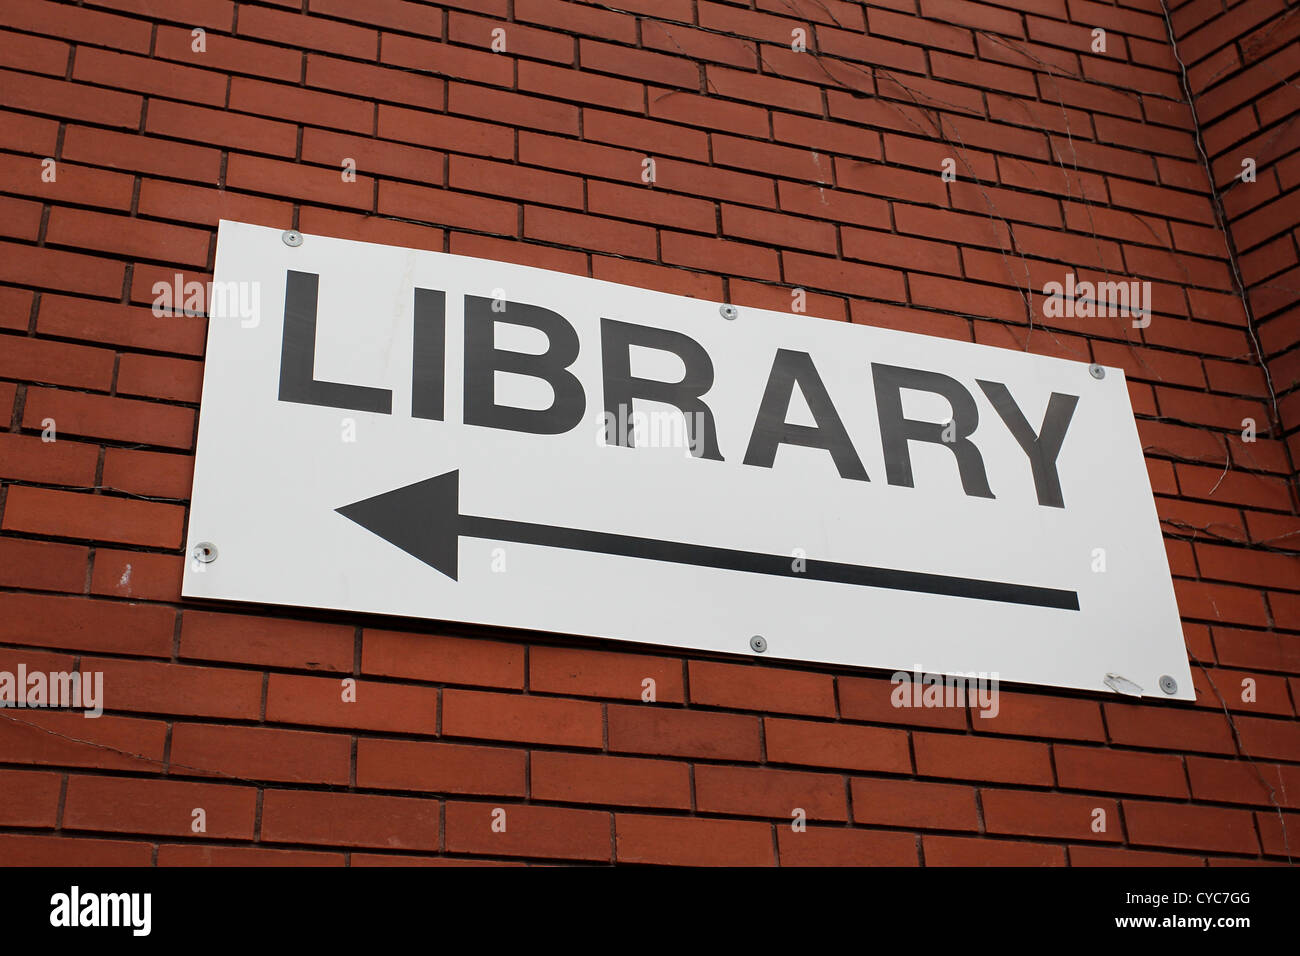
(405,432)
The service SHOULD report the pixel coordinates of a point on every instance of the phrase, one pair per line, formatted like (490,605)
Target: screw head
(1168,684)
(205,552)
(291,237)
(1096,371)
(758,643)
(728,312)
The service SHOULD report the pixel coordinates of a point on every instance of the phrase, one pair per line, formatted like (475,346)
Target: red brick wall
(1242,69)
(775,169)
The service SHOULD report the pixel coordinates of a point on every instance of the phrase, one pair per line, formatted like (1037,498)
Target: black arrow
(424,520)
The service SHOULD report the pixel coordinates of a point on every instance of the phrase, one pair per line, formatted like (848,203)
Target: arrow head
(422,519)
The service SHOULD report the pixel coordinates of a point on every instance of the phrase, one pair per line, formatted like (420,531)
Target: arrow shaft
(653,549)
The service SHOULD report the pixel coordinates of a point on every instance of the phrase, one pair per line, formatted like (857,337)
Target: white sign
(432,436)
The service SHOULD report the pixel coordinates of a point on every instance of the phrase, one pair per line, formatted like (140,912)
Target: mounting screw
(205,552)
(1168,684)
(1096,371)
(758,643)
(291,237)
(728,312)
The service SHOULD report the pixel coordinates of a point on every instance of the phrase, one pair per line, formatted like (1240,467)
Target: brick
(302,105)
(164,688)
(162,807)
(373,157)
(874,701)
(31,798)
(977,15)
(838,276)
(761,688)
(903,252)
(67,739)
(455,62)
(514,181)
(33,850)
(209,126)
(102,416)
(658,278)
(347,225)
(1238,781)
(261,753)
(60,462)
(133,237)
(38,94)
(819,744)
(123,71)
(655,729)
(156,376)
(912,803)
(42,565)
(208,207)
(617,781)
(634,132)
(198,854)
(1033,715)
(511,108)
(265,642)
(688,841)
(217,14)
(440,767)
(134,153)
(914,30)
(39,17)
(1052,815)
(582,673)
(1275,840)
(524,40)
(70,515)
(976,758)
(777,229)
(711,183)
(969,851)
(1161,727)
(313,183)
(137,574)
(839,846)
(576,229)
(310,32)
(117,324)
(228,55)
(521,253)
(719,255)
(550,832)
(374,82)
(539,720)
(74,183)
(319,701)
(1190,827)
(57,269)
(156,474)
(1118,771)
(350,819)
(707,112)
(82,624)
(754,791)
(1116,856)
(443,660)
